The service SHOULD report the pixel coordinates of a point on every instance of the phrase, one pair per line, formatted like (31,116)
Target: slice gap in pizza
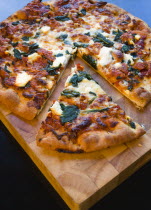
(85,119)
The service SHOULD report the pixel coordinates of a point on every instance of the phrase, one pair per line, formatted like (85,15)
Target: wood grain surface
(83,179)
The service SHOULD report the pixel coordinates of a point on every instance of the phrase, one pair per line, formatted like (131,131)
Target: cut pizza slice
(33,59)
(85,119)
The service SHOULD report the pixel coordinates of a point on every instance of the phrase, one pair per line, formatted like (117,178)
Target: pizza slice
(85,119)
(33,58)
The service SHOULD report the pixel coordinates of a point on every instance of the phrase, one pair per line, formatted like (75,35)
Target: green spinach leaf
(14,44)
(62,18)
(25,38)
(92,93)
(62,37)
(117,34)
(17,54)
(37,35)
(79,44)
(15,23)
(70,93)
(89,59)
(100,38)
(75,79)
(52,70)
(132,124)
(69,114)
(125,48)
(59,55)
(83,11)
(5,69)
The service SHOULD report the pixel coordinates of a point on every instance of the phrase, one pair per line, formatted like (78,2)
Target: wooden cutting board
(82,179)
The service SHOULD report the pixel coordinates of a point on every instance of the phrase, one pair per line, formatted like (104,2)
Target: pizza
(38,41)
(85,119)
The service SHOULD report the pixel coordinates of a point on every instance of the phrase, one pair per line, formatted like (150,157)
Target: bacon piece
(94,49)
(47,54)
(149,68)
(123,21)
(79,67)
(120,72)
(84,122)
(101,123)
(81,37)
(52,120)
(83,102)
(9,81)
(39,99)
(140,65)
(103,11)
(111,122)
(51,22)
(3,74)
(106,27)
(28,92)
(126,37)
(140,44)
(34,10)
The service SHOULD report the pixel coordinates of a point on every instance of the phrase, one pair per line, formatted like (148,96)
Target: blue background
(22,186)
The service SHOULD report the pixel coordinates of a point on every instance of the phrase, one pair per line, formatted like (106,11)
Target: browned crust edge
(17,105)
(92,140)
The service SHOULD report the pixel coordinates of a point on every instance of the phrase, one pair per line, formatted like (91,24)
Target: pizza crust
(97,140)
(92,140)
(50,141)
(13,102)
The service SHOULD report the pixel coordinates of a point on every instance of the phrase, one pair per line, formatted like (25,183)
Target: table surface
(23,186)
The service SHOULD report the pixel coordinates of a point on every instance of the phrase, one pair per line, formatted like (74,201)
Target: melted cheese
(49,84)
(22,79)
(105,56)
(60,60)
(33,57)
(85,86)
(137,36)
(93,21)
(45,29)
(117,65)
(56,108)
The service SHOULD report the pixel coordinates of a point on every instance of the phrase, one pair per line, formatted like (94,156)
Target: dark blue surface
(22,186)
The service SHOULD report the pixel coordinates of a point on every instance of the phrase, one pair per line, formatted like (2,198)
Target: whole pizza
(36,44)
